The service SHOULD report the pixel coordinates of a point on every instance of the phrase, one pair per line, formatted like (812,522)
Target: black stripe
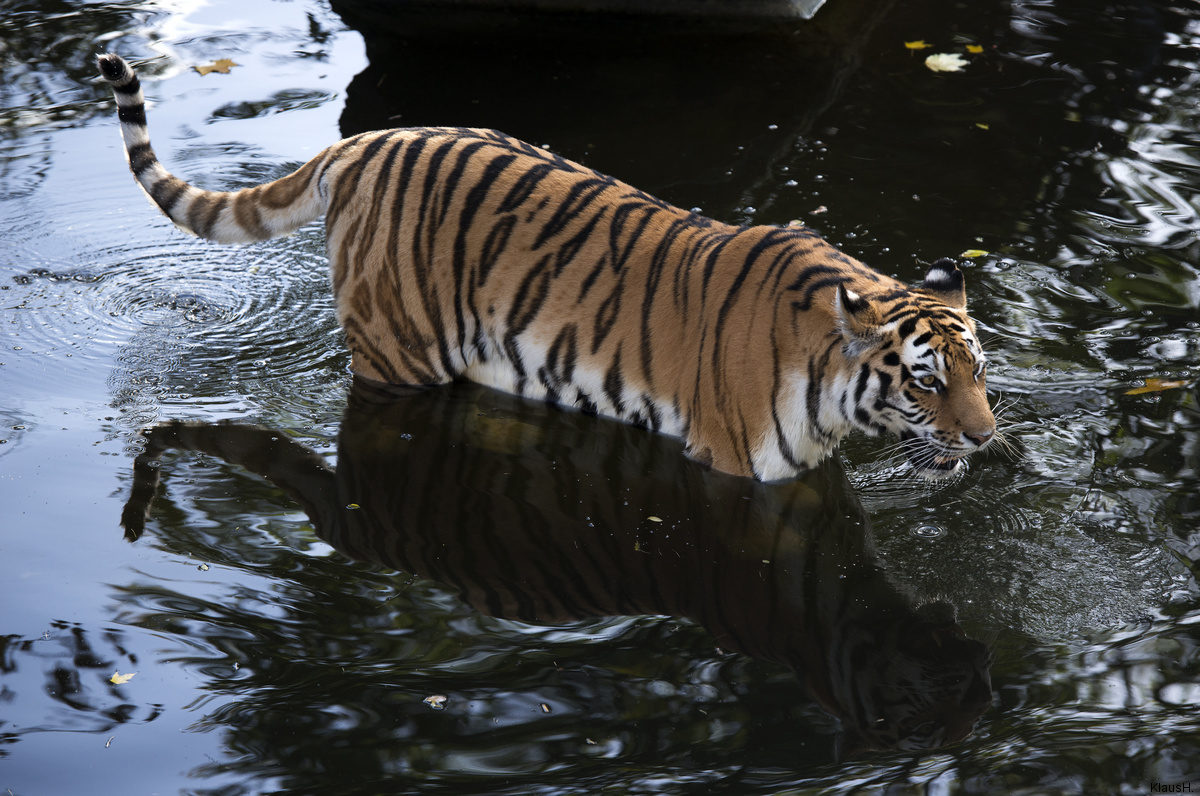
(561,357)
(614,385)
(374,227)
(141,158)
(606,316)
(776,379)
(347,186)
(863,381)
(581,196)
(622,247)
(570,248)
(531,295)
(203,226)
(166,193)
(132,87)
(652,412)
(423,244)
(494,245)
(471,206)
(710,265)
(524,187)
(773,238)
(806,303)
(133,114)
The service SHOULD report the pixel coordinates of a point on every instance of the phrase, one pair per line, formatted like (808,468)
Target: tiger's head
(921,372)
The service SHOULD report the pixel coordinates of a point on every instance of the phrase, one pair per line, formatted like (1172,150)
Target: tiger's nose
(980,438)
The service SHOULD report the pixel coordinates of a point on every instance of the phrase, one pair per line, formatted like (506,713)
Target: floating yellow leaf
(946,62)
(1157,385)
(982,126)
(437,701)
(120,679)
(917,45)
(222,65)
(975,49)
(654,519)
(973,253)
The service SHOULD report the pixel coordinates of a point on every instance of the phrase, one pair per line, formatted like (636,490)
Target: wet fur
(463,253)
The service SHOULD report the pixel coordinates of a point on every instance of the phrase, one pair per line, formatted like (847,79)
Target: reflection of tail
(295,468)
(258,213)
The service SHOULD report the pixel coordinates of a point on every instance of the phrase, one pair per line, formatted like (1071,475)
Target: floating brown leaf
(222,65)
(1157,385)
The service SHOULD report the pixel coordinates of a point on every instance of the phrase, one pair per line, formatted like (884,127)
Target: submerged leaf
(1157,385)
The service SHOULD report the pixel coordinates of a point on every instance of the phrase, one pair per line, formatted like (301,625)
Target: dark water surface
(600,615)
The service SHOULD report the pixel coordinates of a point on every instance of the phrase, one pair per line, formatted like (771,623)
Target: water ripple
(224,329)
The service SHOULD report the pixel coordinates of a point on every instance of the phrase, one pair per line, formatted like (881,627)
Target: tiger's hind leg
(389,342)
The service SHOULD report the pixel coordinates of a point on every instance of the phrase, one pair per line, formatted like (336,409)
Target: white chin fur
(932,474)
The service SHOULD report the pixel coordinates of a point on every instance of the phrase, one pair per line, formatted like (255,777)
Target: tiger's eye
(929,381)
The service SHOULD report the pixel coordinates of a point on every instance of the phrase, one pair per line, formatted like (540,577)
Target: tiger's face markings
(923,370)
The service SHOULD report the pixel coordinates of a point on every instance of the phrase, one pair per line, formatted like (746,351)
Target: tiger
(553,518)
(459,253)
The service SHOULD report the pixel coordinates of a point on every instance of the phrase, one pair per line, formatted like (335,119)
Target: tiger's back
(466,253)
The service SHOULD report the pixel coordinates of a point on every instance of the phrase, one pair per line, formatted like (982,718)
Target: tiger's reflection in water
(545,516)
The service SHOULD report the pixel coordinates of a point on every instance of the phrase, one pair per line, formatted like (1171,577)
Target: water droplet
(927,531)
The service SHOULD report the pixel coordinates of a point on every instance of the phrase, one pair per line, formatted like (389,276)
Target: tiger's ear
(945,282)
(858,320)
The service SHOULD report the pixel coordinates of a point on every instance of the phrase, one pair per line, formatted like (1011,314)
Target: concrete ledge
(711,9)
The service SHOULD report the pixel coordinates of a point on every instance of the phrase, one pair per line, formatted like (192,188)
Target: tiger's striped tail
(258,213)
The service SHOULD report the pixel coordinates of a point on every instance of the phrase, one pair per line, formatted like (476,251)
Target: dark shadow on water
(660,102)
(551,518)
